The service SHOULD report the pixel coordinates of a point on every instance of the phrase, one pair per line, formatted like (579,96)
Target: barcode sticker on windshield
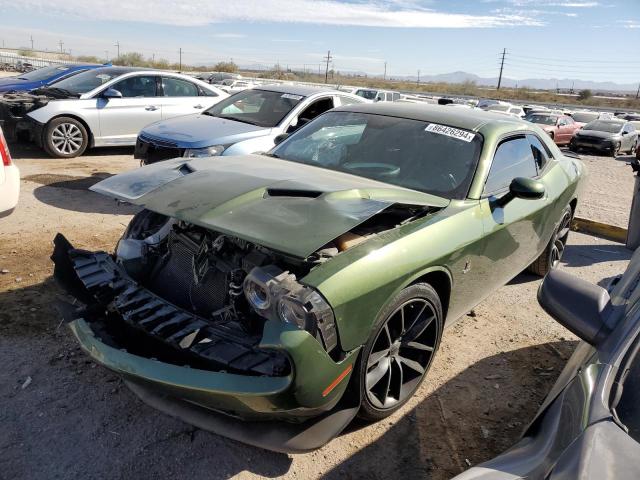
(291,96)
(450,132)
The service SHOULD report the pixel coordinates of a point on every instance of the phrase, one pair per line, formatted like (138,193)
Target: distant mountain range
(533,83)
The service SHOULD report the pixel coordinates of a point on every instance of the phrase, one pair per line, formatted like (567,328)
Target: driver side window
(143,86)
(312,111)
(513,158)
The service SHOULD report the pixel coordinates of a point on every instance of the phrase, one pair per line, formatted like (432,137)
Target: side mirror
(280,138)
(576,304)
(526,188)
(111,93)
(624,132)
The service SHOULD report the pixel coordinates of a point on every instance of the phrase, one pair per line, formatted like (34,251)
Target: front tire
(615,151)
(65,137)
(399,352)
(550,258)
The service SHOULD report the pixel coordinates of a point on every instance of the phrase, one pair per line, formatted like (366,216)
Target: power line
(572,60)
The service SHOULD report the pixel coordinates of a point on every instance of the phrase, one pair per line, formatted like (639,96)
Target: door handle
(150,108)
(197,106)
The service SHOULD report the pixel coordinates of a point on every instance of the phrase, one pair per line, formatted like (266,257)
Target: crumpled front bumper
(247,406)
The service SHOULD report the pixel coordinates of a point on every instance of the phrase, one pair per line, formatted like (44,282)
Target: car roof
(304,90)
(118,70)
(468,119)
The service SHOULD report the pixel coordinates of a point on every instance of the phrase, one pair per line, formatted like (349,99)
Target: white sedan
(102,107)
(9,180)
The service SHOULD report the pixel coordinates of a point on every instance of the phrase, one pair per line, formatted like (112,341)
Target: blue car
(42,77)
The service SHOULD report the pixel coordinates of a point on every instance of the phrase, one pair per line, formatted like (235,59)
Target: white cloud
(229,35)
(392,13)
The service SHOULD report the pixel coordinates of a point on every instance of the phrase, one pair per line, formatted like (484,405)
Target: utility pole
(180,69)
(384,76)
(418,81)
(106,56)
(117,44)
(504,52)
(326,71)
(61,44)
(637,92)
(31,42)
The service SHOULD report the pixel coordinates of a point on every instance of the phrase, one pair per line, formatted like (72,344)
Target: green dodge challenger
(273,297)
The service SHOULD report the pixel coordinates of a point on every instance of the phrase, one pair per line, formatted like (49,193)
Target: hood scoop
(293,193)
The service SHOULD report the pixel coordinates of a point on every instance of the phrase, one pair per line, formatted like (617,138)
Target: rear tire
(400,350)
(65,137)
(550,258)
(634,145)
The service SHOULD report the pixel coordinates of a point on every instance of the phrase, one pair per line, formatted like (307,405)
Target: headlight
(276,295)
(213,151)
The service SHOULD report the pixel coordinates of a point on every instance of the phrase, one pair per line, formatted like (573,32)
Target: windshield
(408,153)
(600,126)
(43,73)
(256,107)
(584,117)
(368,94)
(86,81)
(543,119)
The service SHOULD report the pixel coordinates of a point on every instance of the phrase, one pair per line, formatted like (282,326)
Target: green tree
(88,59)
(584,94)
(229,67)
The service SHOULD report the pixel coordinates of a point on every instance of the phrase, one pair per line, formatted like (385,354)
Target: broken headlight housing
(275,294)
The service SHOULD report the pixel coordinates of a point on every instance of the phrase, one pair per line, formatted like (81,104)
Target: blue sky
(592,40)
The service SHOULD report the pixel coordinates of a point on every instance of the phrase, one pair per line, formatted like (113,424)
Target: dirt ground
(64,417)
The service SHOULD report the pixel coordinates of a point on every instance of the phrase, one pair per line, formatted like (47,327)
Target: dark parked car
(609,136)
(589,425)
(41,77)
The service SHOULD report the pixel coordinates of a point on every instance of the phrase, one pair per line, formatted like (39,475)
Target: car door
(565,130)
(182,97)
(628,137)
(516,231)
(122,118)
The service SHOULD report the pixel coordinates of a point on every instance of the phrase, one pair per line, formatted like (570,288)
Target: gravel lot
(76,420)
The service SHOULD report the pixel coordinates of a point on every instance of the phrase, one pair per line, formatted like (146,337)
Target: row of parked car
(290,286)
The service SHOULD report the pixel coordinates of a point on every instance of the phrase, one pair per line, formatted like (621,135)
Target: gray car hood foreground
(202,130)
(289,207)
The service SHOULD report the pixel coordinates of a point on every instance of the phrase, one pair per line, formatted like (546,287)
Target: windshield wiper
(236,119)
(272,155)
(60,92)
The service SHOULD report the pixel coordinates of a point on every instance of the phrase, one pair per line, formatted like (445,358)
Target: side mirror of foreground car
(280,138)
(524,188)
(576,304)
(111,93)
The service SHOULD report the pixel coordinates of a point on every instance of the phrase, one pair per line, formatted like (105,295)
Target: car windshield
(414,154)
(543,119)
(86,81)
(256,107)
(43,73)
(584,117)
(368,94)
(603,126)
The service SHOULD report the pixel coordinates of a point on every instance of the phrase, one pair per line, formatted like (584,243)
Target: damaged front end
(212,325)
(14,121)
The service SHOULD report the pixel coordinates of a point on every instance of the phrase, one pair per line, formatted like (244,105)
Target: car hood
(289,207)
(199,131)
(8,84)
(595,134)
